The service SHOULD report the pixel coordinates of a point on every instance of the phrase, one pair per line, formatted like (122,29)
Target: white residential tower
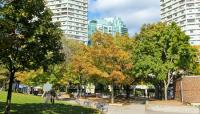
(73,16)
(186,13)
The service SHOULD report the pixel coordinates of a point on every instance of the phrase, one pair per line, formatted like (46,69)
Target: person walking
(53,95)
(46,95)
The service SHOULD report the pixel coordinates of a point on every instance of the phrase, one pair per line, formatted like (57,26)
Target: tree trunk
(80,87)
(85,91)
(161,92)
(170,77)
(5,85)
(66,89)
(165,90)
(127,91)
(9,95)
(80,90)
(112,93)
(157,93)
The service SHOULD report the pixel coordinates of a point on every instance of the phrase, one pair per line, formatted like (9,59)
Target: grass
(28,104)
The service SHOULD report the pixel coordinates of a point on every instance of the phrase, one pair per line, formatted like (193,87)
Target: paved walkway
(134,109)
(130,109)
(140,109)
(177,109)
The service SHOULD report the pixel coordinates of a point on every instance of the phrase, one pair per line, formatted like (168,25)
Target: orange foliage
(104,58)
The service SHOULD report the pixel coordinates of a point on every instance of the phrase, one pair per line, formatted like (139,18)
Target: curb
(116,104)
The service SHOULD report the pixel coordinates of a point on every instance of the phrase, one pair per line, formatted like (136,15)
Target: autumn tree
(28,39)
(106,60)
(39,77)
(162,53)
(127,44)
(81,66)
(109,61)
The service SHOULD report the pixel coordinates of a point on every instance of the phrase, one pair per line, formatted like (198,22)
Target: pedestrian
(53,95)
(46,95)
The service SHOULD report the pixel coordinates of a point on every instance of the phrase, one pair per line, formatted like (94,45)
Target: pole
(182,97)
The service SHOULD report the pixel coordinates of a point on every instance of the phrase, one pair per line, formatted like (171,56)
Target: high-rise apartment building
(73,17)
(107,25)
(186,13)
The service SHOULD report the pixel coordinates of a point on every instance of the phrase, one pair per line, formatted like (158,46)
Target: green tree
(28,39)
(162,53)
(3,77)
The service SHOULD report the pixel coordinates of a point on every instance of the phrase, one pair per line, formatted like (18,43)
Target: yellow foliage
(107,58)
(25,76)
(117,76)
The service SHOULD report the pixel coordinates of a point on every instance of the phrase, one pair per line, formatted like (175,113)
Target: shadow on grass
(40,108)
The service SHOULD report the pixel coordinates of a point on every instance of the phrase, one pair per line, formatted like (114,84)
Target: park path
(129,109)
(139,109)
(135,108)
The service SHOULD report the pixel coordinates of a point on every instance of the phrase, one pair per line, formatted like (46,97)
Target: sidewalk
(158,107)
(173,109)
(129,109)
(140,109)
(172,106)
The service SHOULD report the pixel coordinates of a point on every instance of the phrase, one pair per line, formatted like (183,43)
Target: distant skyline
(134,13)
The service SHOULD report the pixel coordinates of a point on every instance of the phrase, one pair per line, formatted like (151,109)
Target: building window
(190,20)
(58,5)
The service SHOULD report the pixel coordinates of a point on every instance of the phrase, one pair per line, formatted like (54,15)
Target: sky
(134,13)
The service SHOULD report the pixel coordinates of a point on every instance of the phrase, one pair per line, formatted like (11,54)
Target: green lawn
(28,104)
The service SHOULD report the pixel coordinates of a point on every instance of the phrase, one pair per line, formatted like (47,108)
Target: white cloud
(134,13)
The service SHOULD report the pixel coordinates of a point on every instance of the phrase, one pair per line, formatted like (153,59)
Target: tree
(106,60)
(39,77)
(197,70)
(163,52)
(57,75)
(3,77)
(109,60)
(28,39)
(72,74)
(127,44)
(81,66)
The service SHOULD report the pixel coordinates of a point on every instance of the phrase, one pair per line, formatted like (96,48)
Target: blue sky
(134,13)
